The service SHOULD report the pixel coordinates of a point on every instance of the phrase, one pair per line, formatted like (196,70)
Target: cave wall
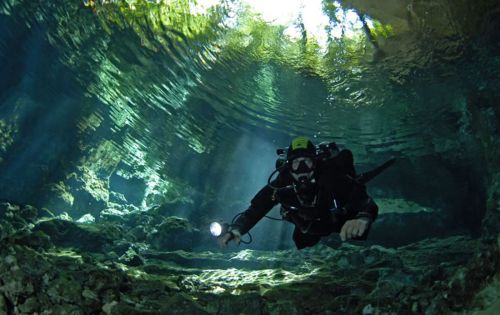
(60,149)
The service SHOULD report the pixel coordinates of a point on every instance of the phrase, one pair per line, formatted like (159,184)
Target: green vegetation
(142,58)
(161,24)
(380,29)
(152,20)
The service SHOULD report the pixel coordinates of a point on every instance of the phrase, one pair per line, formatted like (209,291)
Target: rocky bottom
(46,269)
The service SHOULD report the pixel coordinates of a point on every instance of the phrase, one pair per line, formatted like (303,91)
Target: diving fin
(365,177)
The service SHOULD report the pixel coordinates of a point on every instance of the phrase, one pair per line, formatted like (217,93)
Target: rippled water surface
(166,79)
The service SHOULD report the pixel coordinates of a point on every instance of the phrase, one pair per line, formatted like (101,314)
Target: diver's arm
(356,229)
(355,201)
(359,211)
(260,205)
(368,211)
(358,203)
(230,235)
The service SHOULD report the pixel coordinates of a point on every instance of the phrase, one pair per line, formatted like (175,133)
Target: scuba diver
(319,193)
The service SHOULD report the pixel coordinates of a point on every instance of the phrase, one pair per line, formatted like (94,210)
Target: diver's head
(301,161)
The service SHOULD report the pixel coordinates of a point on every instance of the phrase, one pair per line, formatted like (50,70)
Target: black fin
(368,176)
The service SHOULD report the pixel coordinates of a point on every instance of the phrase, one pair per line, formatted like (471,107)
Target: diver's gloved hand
(231,235)
(354,228)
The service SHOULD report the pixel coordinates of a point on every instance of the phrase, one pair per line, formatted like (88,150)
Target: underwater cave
(127,127)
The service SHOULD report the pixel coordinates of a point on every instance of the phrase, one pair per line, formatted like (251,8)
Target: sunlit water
(169,96)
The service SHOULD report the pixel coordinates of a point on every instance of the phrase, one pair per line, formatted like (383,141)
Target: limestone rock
(3,305)
(131,258)
(86,218)
(90,268)
(173,233)
(69,234)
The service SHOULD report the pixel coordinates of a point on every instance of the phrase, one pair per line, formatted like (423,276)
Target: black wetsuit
(335,185)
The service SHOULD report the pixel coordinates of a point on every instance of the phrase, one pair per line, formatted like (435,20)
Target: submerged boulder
(58,198)
(20,214)
(86,218)
(90,194)
(92,268)
(174,233)
(132,258)
(127,189)
(65,233)
(113,215)
(15,218)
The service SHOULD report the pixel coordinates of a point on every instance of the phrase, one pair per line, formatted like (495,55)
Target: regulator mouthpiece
(217,229)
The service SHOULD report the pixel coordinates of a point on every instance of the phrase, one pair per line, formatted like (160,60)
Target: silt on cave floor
(53,265)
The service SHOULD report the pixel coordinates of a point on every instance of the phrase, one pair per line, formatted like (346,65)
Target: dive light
(218,228)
